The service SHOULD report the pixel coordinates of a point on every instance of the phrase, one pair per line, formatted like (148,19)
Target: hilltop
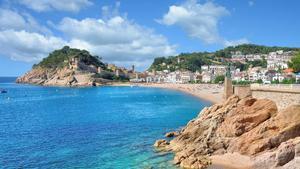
(194,61)
(73,67)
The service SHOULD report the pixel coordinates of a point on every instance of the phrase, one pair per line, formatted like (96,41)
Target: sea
(89,128)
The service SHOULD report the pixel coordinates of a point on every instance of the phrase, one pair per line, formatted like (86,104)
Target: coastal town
(276,70)
(161,84)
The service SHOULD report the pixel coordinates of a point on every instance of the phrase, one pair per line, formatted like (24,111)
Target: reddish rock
(248,126)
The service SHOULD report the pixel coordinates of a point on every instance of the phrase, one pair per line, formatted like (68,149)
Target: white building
(279,77)
(206,77)
(214,69)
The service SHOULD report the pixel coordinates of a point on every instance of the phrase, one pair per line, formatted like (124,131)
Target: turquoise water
(103,127)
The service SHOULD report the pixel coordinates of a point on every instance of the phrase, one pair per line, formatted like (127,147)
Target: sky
(134,32)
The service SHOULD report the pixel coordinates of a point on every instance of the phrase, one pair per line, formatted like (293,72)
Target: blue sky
(130,32)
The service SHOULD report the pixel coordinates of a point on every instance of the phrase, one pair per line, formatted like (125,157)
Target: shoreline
(209,92)
(212,93)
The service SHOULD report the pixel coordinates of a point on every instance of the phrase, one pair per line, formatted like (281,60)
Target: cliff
(240,133)
(70,67)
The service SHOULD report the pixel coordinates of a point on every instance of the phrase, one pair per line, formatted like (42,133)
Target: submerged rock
(161,143)
(172,134)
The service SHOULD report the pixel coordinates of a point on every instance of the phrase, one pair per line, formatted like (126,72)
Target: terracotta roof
(289,70)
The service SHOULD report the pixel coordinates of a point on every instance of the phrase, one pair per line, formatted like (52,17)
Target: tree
(219,79)
(289,81)
(295,63)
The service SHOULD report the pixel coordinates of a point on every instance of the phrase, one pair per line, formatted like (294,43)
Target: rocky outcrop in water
(248,127)
(72,67)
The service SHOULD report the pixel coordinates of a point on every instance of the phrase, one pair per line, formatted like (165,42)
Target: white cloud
(22,38)
(27,46)
(235,42)
(199,21)
(250,3)
(60,5)
(13,20)
(117,40)
(114,37)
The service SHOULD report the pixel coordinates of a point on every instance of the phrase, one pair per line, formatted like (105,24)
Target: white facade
(278,77)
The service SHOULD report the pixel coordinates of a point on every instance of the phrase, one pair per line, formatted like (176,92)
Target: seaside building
(117,72)
(99,70)
(298,77)
(206,77)
(278,77)
(214,69)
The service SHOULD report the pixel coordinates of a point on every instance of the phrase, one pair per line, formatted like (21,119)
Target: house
(270,74)
(278,77)
(257,73)
(237,75)
(186,77)
(206,77)
(298,77)
(214,69)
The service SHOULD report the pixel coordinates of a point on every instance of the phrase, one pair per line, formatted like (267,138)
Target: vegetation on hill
(184,61)
(244,66)
(57,58)
(194,61)
(295,63)
(251,49)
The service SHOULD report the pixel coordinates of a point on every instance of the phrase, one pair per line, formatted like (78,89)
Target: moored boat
(3,91)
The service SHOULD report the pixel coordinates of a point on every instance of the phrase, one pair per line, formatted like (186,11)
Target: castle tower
(228,88)
(136,76)
(117,73)
(153,71)
(99,70)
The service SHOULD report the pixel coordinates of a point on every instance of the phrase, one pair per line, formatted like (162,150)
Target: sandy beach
(210,92)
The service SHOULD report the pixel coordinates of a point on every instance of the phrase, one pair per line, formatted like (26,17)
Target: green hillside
(194,61)
(58,57)
(251,49)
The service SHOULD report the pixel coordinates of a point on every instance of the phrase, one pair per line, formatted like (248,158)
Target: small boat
(3,91)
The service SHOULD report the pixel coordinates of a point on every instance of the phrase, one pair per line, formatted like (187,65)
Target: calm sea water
(103,127)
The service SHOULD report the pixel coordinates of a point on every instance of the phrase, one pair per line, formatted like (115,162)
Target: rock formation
(70,67)
(172,134)
(248,127)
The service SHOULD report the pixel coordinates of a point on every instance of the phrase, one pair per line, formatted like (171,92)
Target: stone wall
(282,95)
(282,99)
(242,91)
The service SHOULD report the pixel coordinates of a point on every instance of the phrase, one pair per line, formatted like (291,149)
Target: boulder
(172,134)
(285,153)
(161,143)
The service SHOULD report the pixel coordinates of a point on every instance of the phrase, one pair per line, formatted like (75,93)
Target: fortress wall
(282,99)
(282,95)
(242,91)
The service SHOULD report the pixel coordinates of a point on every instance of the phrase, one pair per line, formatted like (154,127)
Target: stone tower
(117,73)
(99,70)
(178,60)
(228,88)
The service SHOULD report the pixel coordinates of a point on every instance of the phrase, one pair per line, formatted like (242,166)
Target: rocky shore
(239,133)
(57,77)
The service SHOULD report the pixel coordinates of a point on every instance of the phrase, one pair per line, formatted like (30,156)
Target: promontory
(73,67)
